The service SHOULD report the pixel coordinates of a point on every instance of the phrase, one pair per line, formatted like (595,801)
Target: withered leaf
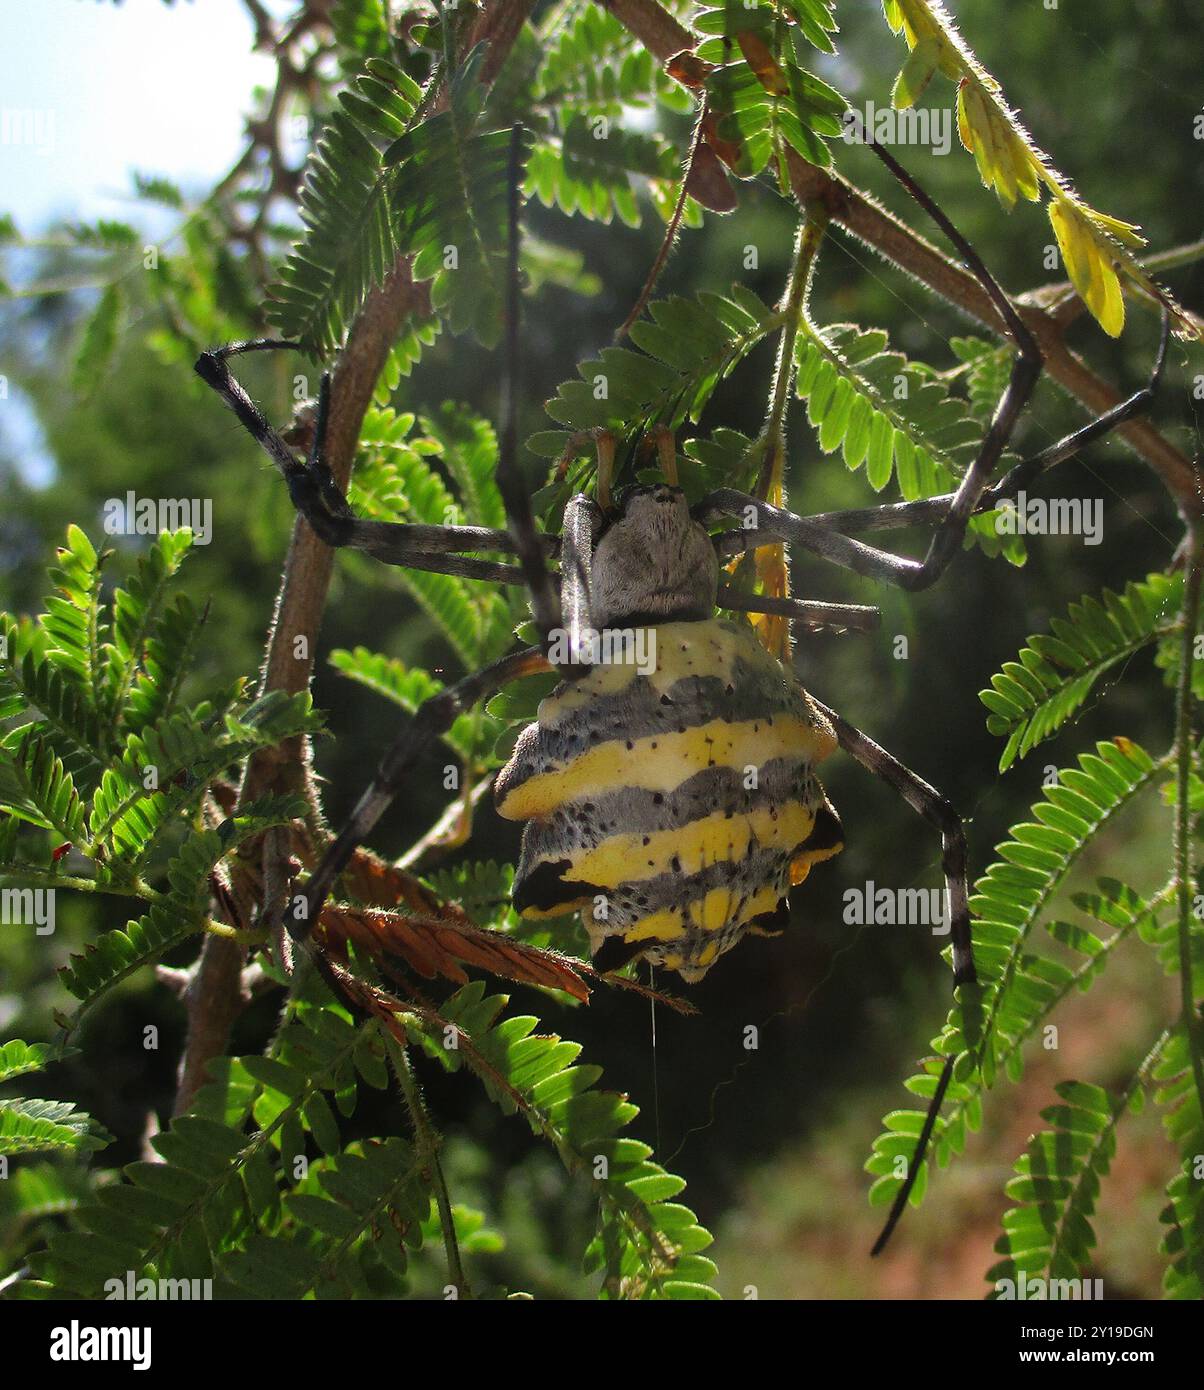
(688,68)
(731,152)
(707,182)
(442,944)
(765,66)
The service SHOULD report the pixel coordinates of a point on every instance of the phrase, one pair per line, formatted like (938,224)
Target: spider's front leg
(930,511)
(320,500)
(760,516)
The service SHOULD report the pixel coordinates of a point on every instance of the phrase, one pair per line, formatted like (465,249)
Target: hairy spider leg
(661,438)
(947,539)
(431,720)
(813,615)
(319,499)
(817,616)
(926,801)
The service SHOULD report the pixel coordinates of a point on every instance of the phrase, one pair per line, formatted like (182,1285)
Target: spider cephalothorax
(653,561)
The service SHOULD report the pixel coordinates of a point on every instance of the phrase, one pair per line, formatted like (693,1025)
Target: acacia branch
(895,241)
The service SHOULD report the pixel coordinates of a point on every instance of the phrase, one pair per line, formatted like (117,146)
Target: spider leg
(582,518)
(322,502)
(432,719)
(813,614)
(931,510)
(605,446)
(947,539)
(935,809)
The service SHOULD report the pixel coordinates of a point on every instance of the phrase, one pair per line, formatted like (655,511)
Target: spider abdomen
(673,803)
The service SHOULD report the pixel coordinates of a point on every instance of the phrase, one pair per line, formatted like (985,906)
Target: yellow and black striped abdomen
(674,808)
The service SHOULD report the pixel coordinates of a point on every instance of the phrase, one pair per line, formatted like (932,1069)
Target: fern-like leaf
(647,1246)
(1047,1233)
(765,99)
(48,1126)
(137,613)
(895,416)
(394,481)
(1019,986)
(409,687)
(73,621)
(452,182)
(688,347)
(19,1058)
(169,652)
(1183,1216)
(218,1184)
(180,913)
(31,680)
(35,786)
(167,768)
(1030,699)
(347,205)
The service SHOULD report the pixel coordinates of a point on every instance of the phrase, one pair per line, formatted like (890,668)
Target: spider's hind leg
(936,809)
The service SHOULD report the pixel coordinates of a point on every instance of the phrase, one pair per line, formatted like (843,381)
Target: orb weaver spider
(624,766)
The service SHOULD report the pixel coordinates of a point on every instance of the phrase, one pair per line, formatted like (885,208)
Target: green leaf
(895,415)
(99,341)
(1032,697)
(18,1058)
(47,1126)
(350,210)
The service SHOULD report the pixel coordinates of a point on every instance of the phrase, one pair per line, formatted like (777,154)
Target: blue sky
(90,91)
(142,85)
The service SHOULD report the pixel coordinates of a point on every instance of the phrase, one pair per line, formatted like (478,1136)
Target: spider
(674,808)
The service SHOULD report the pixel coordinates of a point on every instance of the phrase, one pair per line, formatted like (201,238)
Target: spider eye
(623,500)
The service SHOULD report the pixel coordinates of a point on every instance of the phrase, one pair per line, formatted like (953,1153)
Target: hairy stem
(1184,709)
(806,251)
(426,1143)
